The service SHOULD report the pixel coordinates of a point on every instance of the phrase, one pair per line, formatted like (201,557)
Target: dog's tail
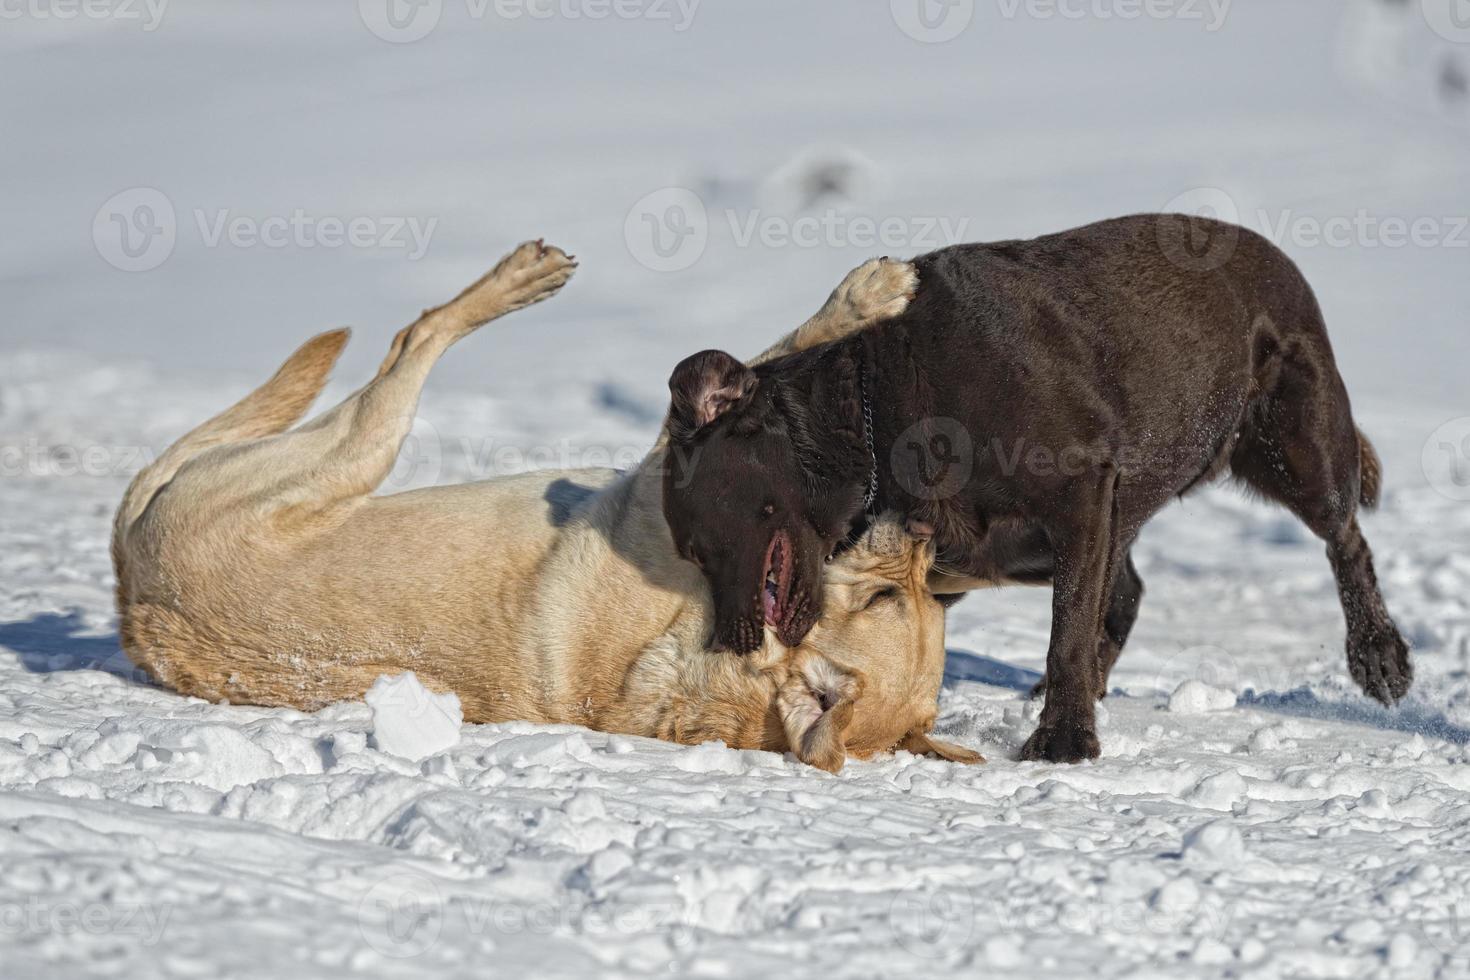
(270,409)
(1372,473)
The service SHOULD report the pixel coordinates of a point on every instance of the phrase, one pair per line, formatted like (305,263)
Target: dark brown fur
(1036,405)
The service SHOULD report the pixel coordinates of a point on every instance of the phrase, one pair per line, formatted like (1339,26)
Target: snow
(1281,826)
(411,721)
(1218,842)
(1195,697)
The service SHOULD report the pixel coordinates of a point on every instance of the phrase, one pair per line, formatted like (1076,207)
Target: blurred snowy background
(190,189)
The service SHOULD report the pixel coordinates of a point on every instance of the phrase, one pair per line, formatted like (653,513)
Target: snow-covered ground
(1253,815)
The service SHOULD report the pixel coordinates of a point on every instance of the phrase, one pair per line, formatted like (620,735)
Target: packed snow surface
(411,721)
(1252,814)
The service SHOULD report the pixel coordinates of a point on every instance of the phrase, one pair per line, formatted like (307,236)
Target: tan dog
(254,566)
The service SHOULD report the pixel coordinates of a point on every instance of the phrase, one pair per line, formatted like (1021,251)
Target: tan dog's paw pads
(532,273)
(879,289)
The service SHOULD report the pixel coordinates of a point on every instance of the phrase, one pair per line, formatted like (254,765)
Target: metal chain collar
(872,493)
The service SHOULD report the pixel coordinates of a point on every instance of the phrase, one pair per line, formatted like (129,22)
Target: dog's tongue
(768,602)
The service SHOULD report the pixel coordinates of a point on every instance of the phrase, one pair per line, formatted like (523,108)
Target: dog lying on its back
(254,565)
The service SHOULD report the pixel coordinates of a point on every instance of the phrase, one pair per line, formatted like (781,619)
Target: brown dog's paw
(1061,743)
(1380,665)
(879,289)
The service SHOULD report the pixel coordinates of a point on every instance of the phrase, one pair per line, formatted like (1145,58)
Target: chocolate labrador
(1035,405)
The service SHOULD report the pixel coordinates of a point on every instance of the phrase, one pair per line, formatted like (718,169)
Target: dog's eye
(882,595)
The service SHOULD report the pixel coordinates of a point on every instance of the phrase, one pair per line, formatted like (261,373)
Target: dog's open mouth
(776,583)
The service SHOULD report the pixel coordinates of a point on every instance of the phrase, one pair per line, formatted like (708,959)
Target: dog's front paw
(531,273)
(879,289)
(1379,662)
(1061,743)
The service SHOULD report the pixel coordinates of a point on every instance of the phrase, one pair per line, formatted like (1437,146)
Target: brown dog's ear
(705,386)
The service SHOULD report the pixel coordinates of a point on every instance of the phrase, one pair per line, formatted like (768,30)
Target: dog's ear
(816,705)
(705,386)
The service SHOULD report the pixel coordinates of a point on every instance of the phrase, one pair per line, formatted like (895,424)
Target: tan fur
(254,566)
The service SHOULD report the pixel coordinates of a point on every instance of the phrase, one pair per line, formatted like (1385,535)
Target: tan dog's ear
(816,704)
(921,743)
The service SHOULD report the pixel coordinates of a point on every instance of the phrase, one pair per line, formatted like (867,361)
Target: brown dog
(1036,404)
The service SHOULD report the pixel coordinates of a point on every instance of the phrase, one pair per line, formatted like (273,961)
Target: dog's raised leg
(877,290)
(1088,549)
(349,450)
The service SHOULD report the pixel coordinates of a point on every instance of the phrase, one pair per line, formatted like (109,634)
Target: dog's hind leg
(270,409)
(349,450)
(1118,622)
(877,290)
(1299,447)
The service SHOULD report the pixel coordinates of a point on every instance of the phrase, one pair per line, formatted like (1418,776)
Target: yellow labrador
(254,565)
